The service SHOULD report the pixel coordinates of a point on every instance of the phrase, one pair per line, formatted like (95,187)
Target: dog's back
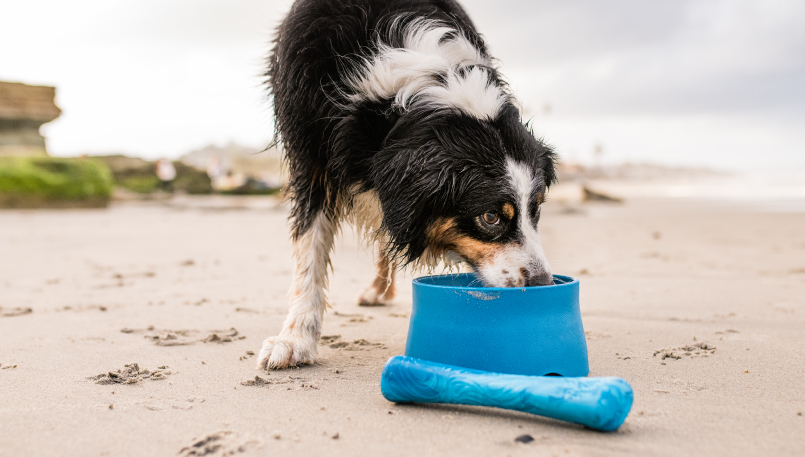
(318,40)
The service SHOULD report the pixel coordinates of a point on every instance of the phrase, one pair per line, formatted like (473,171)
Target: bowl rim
(568,281)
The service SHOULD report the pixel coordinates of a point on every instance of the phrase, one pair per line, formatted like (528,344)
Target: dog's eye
(491,218)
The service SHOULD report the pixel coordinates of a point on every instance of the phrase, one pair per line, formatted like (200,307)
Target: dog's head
(450,183)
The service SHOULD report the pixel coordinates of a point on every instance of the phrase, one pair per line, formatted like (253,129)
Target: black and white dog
(394,117)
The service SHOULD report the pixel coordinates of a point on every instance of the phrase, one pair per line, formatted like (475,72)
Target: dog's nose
(540,279)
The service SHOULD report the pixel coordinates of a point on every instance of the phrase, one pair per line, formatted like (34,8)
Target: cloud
(550,31)
(194,23)
(157,77)
(658,57)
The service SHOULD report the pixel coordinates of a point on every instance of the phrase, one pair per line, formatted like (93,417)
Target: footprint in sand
(249,354)
(83,308)
(303,383)
(354,317)
(333,341)
(11,312)
(186,337)
(225,442)
(132,374)
(691,351)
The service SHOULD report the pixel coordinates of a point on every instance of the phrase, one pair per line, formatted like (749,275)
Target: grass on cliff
(48,182)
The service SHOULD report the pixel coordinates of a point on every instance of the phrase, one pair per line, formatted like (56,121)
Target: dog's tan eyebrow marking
(443,236)
(508,210)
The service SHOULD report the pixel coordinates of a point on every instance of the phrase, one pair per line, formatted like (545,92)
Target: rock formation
(23,109)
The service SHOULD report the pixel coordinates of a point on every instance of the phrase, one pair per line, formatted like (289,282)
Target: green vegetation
(131,173)
(140,176)
(46,182)
(190,180)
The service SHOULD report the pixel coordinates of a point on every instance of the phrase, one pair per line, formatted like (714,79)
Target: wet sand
(700,306)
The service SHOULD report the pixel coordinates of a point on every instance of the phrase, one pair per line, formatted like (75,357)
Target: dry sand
(700,306)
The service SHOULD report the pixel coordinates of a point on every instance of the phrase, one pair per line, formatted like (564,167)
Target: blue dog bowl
(528,330)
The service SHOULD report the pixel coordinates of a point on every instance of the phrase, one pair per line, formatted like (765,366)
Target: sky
(703,83)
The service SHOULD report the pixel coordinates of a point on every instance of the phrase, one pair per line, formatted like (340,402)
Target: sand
(700,306)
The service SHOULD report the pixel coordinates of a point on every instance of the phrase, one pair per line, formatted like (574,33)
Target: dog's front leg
(297,342)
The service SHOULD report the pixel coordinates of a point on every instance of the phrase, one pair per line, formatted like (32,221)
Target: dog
(394,117)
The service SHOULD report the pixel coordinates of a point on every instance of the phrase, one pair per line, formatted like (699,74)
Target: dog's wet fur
(394,117)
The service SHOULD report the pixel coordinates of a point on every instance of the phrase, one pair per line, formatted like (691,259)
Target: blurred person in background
(166,173)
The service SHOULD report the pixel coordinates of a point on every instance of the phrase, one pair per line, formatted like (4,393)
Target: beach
(699,305)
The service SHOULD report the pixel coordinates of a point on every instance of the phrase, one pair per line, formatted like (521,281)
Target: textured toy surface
(518,330)
(598,403)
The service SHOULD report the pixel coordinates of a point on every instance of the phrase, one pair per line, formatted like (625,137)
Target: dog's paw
(372,297)
(286,351)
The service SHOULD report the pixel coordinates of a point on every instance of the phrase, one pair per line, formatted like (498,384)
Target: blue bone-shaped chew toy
(598,403)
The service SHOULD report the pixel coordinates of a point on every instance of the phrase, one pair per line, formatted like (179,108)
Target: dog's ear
(523,145)
(416,179)
(414,187)
(547,158)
